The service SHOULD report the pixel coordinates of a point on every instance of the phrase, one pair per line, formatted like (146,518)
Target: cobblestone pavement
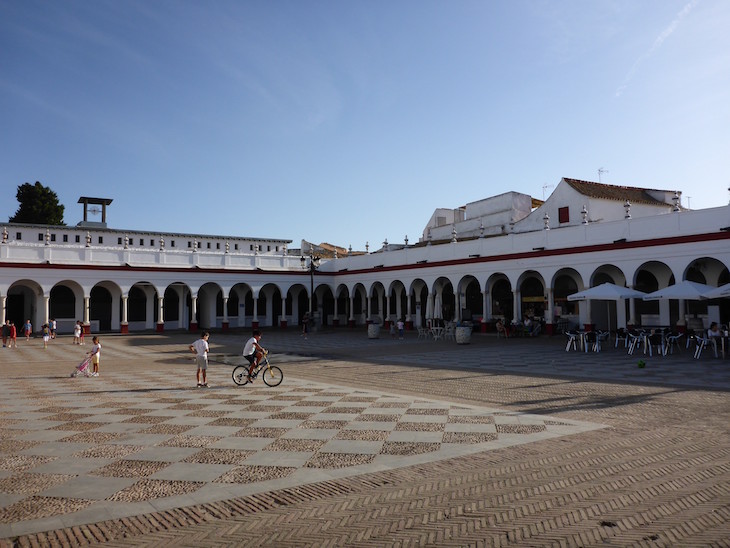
(366,442)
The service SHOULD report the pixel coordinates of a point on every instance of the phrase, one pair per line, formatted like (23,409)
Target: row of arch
(106,305)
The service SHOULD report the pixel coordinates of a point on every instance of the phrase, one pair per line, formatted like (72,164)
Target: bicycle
(271,374)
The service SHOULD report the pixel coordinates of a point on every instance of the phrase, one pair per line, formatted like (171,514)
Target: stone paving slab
(415,421)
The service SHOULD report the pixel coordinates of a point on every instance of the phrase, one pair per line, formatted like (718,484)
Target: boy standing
(200,349)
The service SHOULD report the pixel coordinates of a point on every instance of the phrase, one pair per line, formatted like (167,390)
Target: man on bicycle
(253,351)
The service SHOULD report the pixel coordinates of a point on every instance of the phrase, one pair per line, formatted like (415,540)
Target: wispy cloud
(666,33)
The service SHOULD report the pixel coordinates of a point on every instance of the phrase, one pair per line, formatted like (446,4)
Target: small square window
(251,246)
(40,236)
(563,215)
(208,245)
(152,242)
(18,236)
(78,239)
(119,241)
(190,244)
(65,237)
(235,246)
(53,237)
(217,245)
(101,239)
(172,243)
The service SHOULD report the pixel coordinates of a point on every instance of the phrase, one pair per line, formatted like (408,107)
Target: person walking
(77,333)
(46,330)
(28,329)
(53,327)
(13,336)
(95,354)
(200,348)
(305,325)
(401,328)
(6,332)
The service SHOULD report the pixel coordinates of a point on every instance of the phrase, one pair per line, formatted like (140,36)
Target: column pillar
(224,325)
(3,304)
(485,307)
(351,317)
(549,318)
(87,320)
(124,328)
(386,312)
(632,311)
(194,317)
(46,308)
(160,314)
(255,320)
(284,321)
(409,318)
(336,318)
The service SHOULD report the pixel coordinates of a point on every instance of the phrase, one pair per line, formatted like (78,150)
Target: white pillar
(386,312)
(256,308)
(86,310)
(46,306)
(549,318)
(283,309)
(225,309)
(194,304)
(486,306)
(336,316)
(516,306)
(352,308)
(125,310)
(160,310)
(3,304)
(408,307)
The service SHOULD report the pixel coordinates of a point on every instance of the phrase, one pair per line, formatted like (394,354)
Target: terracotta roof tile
(614,192)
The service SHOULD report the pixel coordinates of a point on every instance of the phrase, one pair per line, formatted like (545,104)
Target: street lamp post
(311,263)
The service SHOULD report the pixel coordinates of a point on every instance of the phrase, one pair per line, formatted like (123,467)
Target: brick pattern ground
(659,475)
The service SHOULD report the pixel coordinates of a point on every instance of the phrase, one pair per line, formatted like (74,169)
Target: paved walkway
(366,442)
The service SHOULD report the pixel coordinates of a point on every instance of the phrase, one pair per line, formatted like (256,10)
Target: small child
(77,333)
(28,328)
(46,330)
(95,354)
(13,336)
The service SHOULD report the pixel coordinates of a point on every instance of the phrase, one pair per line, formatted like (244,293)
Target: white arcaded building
(501,257)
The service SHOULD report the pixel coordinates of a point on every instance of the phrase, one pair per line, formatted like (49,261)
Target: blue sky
(351,121)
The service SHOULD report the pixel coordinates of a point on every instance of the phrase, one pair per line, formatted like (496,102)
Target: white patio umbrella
(686,290)
(429,307)
(607,292)
(438,312)
(718,292)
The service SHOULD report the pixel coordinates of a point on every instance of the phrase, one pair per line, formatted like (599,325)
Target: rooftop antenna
(688,199)
(544,188)
(600,172)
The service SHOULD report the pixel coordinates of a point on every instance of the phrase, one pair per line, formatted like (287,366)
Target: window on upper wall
(172,243)
(563,215)
(18,236)
(53,237)
(101,239)
(78,239)
(65,237)
(208,245)
(40,236)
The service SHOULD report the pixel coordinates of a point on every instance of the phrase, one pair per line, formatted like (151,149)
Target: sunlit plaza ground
(366,442)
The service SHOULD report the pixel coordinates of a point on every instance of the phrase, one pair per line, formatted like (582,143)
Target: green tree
(38,205)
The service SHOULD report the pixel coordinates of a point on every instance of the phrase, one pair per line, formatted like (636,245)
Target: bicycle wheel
(272,375)
(240,375)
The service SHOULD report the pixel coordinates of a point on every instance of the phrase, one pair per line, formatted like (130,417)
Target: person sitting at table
(527,324)
(501,330)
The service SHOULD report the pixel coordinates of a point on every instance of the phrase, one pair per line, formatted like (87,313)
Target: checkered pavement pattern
(77,450)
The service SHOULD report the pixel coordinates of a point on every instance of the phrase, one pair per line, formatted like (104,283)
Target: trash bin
(463,334)
(373,331)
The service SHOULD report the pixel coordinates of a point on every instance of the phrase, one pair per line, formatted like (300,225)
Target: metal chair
(622,335)
(656,340)
(635,338)
(701,343)
(572,340)
(672,341)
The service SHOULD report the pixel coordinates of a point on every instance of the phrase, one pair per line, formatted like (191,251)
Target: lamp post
(310,262)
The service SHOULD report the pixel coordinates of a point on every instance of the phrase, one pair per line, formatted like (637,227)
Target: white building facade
(584,234)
